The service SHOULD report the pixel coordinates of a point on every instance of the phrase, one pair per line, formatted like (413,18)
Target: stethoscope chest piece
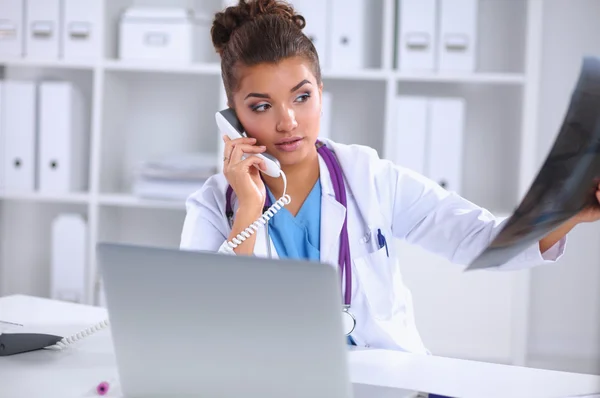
(348,320)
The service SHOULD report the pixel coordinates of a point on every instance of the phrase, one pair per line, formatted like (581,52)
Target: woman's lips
(290,145)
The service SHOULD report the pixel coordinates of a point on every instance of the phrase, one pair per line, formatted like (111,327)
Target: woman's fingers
(251,161)
(241,149)
(230,144)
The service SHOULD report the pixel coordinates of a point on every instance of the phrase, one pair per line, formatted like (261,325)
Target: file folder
(417,39)
(410,135)
(445,144)
(68,258)
(2,139)
(457,35)
(63,139)
(82,29)
(317,16)
(20,136)
(348,34)
(12,20)
(43,29)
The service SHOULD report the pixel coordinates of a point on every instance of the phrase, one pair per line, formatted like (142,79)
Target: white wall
(565,306)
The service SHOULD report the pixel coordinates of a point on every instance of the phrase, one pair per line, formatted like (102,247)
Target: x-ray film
(567,180)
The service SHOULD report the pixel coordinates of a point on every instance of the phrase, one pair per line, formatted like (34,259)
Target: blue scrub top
(298,237)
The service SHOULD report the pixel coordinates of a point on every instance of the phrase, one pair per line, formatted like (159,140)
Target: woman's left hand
(590,213)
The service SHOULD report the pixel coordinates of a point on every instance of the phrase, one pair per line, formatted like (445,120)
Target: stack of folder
(174,177)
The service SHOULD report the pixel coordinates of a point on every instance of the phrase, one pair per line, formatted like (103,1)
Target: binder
(445,143)
(348,34)
(68,258)
(417,40)
(20,136)
(82,29)
(2,139)
(43,29)
(326,117)
(410,136)
(317,14)
(63,140)
(457,35)
(12,20)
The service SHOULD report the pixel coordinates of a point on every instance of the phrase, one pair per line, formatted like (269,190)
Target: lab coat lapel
(332,218)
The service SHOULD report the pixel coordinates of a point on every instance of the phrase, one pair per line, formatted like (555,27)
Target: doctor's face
(280,106)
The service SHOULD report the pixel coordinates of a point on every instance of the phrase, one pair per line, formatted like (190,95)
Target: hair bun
(227,21)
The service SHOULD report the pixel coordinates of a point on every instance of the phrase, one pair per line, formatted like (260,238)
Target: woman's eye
(260,108)
(303,97)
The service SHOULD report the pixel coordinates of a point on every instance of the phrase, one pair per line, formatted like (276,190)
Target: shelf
(485,78)
(365,74)
(159,67)
(49,63)
(76,198)
(126,200)
(214,69)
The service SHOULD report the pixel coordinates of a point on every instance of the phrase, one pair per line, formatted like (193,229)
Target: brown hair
(259,31)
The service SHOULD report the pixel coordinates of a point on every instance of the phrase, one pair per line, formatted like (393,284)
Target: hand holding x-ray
(567,183)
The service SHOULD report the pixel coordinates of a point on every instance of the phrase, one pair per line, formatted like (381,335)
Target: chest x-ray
(567,180)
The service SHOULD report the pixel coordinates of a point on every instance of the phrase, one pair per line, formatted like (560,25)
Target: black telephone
(18,343)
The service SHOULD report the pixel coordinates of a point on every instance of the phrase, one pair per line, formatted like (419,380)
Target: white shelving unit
(139,110)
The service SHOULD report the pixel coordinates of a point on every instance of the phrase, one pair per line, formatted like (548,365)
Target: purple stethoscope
(344,256)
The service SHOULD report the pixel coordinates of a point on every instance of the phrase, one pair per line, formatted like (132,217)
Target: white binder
(445,144)
(43,29)
(82,29)
(417,39)
(12,19)
(62,151)
(457,35)
(410,136)
(2,140)
(317,16)
(20,136)
(348,34)
(68,258)
(326,117)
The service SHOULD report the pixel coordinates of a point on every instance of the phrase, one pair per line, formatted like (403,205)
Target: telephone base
(17,343)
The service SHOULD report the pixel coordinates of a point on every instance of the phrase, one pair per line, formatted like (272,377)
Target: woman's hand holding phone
(245,181)
(241,174)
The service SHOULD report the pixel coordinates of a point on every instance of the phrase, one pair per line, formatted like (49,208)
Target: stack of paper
(174,177)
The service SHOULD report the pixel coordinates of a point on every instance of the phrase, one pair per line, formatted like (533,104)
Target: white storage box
(158,33)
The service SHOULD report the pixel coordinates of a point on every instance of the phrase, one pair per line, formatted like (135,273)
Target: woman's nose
(287,121)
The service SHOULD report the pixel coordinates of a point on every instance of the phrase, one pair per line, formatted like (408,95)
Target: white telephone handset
(230,125)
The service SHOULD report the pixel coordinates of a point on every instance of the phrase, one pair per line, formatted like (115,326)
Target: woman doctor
(347,205)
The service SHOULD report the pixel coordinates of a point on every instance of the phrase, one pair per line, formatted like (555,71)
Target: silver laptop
(211,325)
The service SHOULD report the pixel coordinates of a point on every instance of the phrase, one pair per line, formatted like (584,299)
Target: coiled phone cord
(264,218)
(65,342)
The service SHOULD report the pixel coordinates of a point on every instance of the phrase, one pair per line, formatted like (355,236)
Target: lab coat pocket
(375,279)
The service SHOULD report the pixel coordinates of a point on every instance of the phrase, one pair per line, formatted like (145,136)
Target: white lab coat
(381,195)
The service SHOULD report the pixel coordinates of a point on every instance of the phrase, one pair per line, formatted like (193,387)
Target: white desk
(76,371)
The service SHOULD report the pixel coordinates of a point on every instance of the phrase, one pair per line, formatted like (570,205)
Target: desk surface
(76,371)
